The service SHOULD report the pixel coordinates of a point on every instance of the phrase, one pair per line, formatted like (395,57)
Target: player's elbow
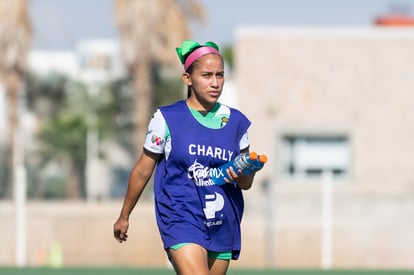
(245,186)
(246,181)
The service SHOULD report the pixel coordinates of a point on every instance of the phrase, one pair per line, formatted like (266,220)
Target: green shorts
(211,254)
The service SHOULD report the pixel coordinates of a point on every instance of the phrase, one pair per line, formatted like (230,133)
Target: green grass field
(149,271)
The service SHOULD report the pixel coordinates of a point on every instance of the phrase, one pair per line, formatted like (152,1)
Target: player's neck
(203,108)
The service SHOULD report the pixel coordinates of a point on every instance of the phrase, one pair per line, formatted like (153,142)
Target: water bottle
(247,162)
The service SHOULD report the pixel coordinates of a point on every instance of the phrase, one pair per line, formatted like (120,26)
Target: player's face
(206,80)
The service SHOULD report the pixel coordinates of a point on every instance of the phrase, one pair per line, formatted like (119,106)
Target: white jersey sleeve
(156,134)
(244,142)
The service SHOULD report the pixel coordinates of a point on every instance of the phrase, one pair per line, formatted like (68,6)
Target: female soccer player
(199,222)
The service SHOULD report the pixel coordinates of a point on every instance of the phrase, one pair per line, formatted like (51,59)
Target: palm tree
(63,107)
(149,32)
(15,37)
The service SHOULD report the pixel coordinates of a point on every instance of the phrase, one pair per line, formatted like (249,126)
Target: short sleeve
(156,134)
(244,141)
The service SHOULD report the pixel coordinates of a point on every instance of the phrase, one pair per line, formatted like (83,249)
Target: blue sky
(59,24)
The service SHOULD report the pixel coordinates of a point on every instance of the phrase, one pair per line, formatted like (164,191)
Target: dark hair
(190,70)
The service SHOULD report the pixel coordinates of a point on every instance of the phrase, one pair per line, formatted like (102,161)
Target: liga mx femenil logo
(157,140)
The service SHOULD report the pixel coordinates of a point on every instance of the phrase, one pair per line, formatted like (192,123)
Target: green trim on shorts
(179,245)
(219,255)
(211,254)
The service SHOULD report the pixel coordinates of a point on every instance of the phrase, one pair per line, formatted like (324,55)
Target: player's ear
(187,79)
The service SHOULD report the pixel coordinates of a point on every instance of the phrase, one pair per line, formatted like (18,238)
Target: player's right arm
(141,173)
(138,179)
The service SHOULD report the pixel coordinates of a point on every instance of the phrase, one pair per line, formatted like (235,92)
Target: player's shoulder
(179,105)
(158,116)
(225,109)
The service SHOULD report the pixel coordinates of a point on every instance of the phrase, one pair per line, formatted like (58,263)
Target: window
(309,156)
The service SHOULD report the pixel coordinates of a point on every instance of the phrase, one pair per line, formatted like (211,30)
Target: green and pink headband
(190,51)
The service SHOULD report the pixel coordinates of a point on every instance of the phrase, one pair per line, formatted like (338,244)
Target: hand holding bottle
(247,162)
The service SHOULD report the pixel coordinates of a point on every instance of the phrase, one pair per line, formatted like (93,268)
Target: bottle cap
(263,158)
(253,156)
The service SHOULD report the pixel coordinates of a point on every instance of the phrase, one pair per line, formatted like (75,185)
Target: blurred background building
(332,102)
